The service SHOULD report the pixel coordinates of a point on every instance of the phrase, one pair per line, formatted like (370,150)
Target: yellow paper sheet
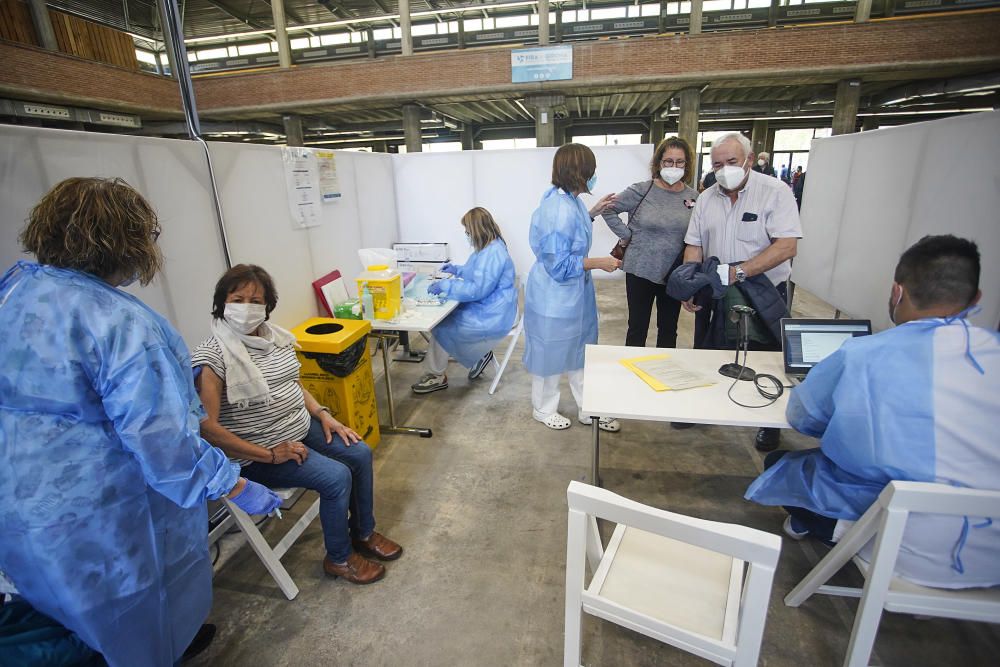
(659,379)
(646,377)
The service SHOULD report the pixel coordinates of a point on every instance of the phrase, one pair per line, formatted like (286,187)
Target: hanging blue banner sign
(554,63)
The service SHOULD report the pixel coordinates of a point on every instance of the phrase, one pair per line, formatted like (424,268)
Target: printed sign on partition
(553,63)
(329,186)
(302,183)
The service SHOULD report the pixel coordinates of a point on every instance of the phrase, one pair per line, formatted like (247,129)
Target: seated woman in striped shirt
(262,417)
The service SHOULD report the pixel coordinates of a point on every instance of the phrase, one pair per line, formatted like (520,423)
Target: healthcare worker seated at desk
(104,476)
(260,414)
(915,403)
(484,287)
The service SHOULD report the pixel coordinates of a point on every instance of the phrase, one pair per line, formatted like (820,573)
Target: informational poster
(302,184)
(549,63)
(329,186)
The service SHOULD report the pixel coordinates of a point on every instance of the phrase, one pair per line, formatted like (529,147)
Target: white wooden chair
(514,335)
(698,585)
(268,555)
(885,521)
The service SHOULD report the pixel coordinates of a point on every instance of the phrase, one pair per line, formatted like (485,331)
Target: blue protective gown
(104,476)
(487,306)
(918,403)
(560,307)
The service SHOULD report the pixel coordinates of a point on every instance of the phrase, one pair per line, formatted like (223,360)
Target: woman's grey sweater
(655,231)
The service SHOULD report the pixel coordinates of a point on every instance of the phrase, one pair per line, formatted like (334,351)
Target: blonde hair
(481,226)
(101,226)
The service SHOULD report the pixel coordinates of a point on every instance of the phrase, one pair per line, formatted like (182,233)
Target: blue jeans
(343,477)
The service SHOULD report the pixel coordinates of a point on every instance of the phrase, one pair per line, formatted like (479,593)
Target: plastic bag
(376,256)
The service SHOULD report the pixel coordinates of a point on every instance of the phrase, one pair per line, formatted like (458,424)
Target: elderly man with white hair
(763,164)
(749,221)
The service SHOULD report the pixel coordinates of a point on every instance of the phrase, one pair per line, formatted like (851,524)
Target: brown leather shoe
(379,546)
(358,570)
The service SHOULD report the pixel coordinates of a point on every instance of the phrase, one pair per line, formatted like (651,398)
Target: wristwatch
(741,275)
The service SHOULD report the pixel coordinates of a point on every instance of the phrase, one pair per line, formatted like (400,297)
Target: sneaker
(481,365)
(430,382)
(789,528)
(767,439)
(609,424)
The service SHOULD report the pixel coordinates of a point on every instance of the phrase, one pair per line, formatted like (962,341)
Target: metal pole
(406,43)
(595,464)
(543,22)
(173,26)
(43,25)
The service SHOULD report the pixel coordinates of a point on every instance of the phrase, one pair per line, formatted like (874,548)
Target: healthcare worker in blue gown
(560,307)
(918,402)
(487,295)
(104,477)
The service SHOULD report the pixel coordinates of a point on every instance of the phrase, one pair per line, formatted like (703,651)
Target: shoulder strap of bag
(636,209)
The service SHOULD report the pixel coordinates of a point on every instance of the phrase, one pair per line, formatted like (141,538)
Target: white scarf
(245,384)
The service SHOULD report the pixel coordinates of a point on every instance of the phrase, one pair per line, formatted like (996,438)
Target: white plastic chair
(514,334)
(698,585)
(885,521)
(268,555)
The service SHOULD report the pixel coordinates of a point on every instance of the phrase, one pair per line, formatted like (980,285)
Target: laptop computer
(806,342)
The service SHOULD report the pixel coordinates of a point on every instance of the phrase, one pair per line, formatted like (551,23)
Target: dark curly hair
(101,226)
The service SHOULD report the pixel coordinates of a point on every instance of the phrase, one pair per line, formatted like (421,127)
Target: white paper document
(818,346)
(673,375)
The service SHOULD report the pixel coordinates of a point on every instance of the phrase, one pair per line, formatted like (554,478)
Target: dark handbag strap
(636,209)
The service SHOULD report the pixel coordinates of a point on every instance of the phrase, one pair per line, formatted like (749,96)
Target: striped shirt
(284,419)
(764,210)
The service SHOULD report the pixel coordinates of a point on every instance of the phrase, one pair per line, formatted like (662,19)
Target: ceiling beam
(246,20)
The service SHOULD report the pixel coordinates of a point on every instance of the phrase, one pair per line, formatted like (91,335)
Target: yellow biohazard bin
(337,371)
(386,288)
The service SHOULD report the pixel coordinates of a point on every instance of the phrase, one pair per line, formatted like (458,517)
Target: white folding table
(417,319)
(612,390)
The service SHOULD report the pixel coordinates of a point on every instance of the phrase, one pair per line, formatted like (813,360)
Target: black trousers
(640,294)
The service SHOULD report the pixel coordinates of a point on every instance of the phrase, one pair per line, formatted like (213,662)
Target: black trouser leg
(640,294)
(668,311)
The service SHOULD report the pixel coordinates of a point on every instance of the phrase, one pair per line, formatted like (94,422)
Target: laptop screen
(807,342)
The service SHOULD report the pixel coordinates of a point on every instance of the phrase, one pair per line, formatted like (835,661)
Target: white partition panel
(434,190)
(871,195)
(170,174)
(173,175)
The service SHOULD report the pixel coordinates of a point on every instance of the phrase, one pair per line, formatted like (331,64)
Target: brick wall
(35,74)
(880,47)
(842,49)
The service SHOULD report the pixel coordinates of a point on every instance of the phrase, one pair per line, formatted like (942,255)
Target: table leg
(392,427)
(595,465)
(408,355)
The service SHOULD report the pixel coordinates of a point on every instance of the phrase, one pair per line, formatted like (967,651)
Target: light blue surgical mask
(130,281)
(591,183)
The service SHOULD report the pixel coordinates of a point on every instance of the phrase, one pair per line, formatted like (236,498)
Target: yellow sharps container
(337,371)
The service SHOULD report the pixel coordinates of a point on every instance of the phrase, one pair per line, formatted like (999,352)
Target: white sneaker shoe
(609,424)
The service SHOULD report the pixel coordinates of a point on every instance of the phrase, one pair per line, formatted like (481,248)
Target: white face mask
(671,174)
(730,177)
(894,306)
(761,163)
(245,317)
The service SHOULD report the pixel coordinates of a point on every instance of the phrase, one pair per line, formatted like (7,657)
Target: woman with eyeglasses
(653,239)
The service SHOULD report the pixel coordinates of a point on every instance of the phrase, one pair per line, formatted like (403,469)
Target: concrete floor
(481,511)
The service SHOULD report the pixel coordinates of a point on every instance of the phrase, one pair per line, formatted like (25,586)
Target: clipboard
(331,286)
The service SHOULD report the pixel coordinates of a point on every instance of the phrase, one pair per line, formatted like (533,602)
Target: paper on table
(663,374)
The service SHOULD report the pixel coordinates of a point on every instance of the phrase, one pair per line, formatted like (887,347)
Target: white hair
(735,136)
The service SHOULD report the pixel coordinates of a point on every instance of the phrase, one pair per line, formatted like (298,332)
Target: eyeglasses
(673,163)
(156,235)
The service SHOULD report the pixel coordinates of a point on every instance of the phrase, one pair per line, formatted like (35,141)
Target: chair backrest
(885,521)
(734,637)
(747,544)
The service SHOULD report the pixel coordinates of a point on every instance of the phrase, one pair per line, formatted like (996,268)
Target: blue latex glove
(435,287)
(256,499)
(448,267)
